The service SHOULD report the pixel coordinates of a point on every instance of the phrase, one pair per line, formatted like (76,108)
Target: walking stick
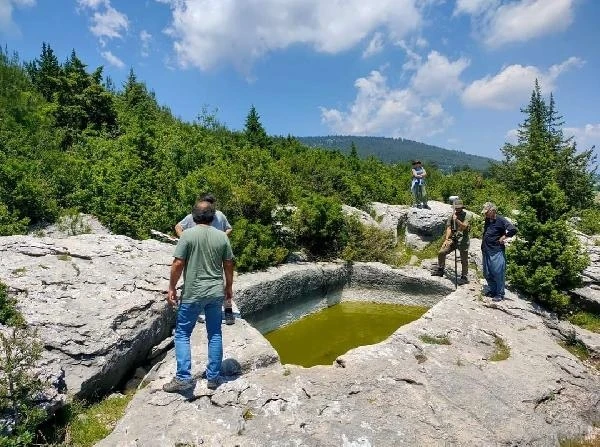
(455,242)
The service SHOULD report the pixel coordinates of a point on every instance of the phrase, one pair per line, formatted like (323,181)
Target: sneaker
(497,299)
(229,317)
(176,385)
(213,384)
(419,206)
(438,272)
(463,280)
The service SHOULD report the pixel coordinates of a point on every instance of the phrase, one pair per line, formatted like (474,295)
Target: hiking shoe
(176,385)
(463,280)
(214,383)
(229,317)
(438,272)
(497,299)
(419,206)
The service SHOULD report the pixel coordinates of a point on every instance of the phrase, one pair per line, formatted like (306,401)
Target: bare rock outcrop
(96,301)
(495,376)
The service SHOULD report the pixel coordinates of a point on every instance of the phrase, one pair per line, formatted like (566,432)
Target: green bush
(589,221)
(320,226)
(255,246)
(367,243)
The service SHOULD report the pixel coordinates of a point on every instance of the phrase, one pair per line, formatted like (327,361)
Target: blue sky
(448,72)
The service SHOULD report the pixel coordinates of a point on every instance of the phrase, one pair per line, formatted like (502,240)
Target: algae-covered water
(319,338)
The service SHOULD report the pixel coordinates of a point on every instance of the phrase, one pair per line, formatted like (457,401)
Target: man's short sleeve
(227,252)
(226,223)
(187,222)
(182,248)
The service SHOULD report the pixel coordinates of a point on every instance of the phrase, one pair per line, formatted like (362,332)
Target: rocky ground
(404,391)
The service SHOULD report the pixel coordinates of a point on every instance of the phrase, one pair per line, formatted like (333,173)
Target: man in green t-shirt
(456,237)
(202,254)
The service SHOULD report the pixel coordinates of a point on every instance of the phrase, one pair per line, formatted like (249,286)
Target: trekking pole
(455,266)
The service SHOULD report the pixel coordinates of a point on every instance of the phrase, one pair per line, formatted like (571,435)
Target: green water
(320,338)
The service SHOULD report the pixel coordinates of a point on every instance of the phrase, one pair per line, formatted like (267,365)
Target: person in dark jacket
(496,230)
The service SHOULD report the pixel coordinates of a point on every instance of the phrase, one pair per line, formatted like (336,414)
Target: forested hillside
(72,141)
(400,150)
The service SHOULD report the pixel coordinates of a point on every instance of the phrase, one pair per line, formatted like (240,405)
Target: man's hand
(172,297)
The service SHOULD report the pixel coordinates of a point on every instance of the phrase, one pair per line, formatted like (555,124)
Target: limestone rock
(364,217)
(402,391)
(97,302)
(390,217)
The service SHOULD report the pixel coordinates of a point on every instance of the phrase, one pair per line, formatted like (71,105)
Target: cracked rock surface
(96,301)
(402,391)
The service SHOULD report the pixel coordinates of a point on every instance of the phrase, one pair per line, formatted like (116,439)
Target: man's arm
(509,231)
(176,270)
(424,173)
(178,230)
(228,268)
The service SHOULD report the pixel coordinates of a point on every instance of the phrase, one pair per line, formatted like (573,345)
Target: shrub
(255,246)
(320,226)
(367,243)
(589,221)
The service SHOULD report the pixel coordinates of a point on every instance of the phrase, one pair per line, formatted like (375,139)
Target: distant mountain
(395,150)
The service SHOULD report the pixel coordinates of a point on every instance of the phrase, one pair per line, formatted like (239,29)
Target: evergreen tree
(45,72)
(254,130)
(546,259)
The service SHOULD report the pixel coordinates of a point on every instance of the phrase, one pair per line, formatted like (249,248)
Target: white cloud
(145,38)
(110,23)
(512,136)
(93,4)
(207,33)
(438,76)
(379,109)
(474,6)
(586,136)
(513,85)
(375,46)
(112,59)
(6,11)
(500,22)
(519,22)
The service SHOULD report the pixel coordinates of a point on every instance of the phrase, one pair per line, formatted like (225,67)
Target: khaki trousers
(448,247)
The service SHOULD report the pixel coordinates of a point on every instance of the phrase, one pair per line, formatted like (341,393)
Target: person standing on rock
(202,254)
(496,230)
(456,238)
(417,185)
(220,222)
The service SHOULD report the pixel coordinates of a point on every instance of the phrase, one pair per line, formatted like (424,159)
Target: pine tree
(546,259)
(254,130)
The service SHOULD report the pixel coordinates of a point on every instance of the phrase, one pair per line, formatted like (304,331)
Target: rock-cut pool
(319,338)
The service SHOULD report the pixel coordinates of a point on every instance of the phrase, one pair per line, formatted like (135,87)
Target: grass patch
(578,349)
(586,320)
(403,253)
(64,257)
(435,340)
(20,271)
(81,425)
(247,415)
(502,351)
(581,442)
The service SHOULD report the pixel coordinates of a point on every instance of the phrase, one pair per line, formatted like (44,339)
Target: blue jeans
(494,268)
(187,315)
